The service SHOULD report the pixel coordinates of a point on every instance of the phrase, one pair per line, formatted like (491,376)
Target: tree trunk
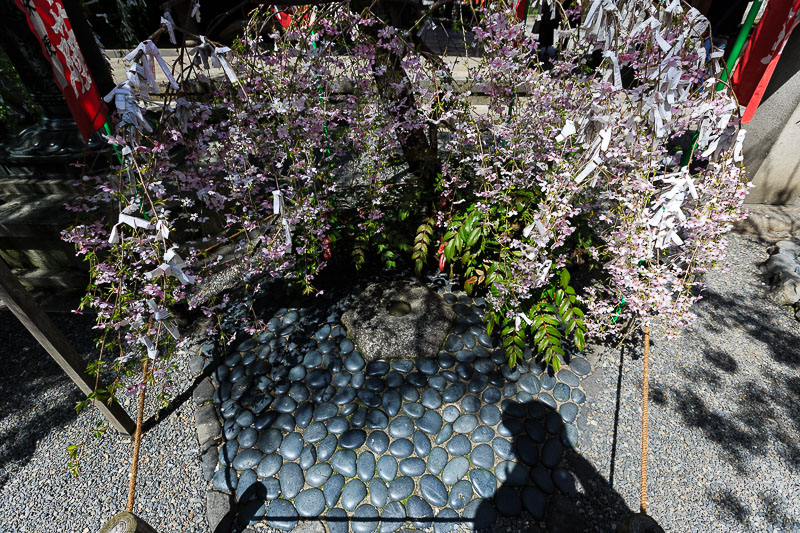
(394,87)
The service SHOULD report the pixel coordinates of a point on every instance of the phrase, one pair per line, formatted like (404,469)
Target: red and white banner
(49,23)
(760,57)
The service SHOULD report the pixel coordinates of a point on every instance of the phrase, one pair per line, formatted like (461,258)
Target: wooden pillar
(42,328)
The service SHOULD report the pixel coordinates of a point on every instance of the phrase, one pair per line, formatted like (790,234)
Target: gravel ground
(38,422)
(724,427)
(724,431)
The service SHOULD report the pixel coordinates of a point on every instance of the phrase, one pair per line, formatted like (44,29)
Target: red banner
(760,57)
(49,23)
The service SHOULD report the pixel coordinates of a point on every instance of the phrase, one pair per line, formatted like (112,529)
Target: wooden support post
(42,328)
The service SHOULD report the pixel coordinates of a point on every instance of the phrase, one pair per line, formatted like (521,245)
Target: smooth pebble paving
(430,422)
(414,410)
(451,412)
(310,503)
(282,515)
(378,493)
(269,466)
(308,457)
(561,392)
(365,466)
(352,439)
(344,462)
(465,424)
(419,512)
(378,442)
(291,478)
(568,412)
(391,402)
(400,427)
(433,490)
(326,448)
(363,514)
(483,482)
(483,456)
(508,501)
(332,490)
(412,466)
(393,513)
(422,444)
(352,494)
(446,521)
(387,468)
(401,488)
(437,383)
(482,434)
(292,446)
(445,433)
(315,432)
(511,473)
(459,445)
(317,475)
(401,448)
(527,450)
(461,494)
(394,439)
(437,460)
(431,399)
(455,470)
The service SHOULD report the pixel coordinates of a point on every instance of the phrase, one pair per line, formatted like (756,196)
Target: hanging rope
(645,393)
(137,440)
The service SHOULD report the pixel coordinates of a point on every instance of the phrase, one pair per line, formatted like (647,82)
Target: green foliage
(421,243)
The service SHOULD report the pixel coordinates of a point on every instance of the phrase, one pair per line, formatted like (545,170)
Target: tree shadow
(765,407)
(738,416)
(37,395)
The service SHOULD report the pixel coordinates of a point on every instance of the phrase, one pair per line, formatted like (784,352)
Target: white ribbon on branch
(166,20)
(173,265)
(161,314)
(195,11)
(128,220)
(145,52)
(668,211)
(128,107)
(205,50)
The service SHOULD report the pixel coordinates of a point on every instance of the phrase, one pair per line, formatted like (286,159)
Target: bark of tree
(394,87)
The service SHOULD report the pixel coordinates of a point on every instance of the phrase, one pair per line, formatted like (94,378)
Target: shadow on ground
(35,394)
(761,407)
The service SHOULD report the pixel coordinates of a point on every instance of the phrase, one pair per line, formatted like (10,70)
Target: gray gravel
(724,431)
(38,422)
(724,426)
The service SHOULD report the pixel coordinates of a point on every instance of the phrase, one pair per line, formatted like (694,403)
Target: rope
(137,441)
(645,393)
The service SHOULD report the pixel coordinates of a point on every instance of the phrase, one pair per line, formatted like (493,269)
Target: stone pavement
(311,432)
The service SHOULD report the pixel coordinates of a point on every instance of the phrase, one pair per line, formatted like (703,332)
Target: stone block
(790,248)
(218,507)
(207,423)
(787,290)
(398,319)
(203,392)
